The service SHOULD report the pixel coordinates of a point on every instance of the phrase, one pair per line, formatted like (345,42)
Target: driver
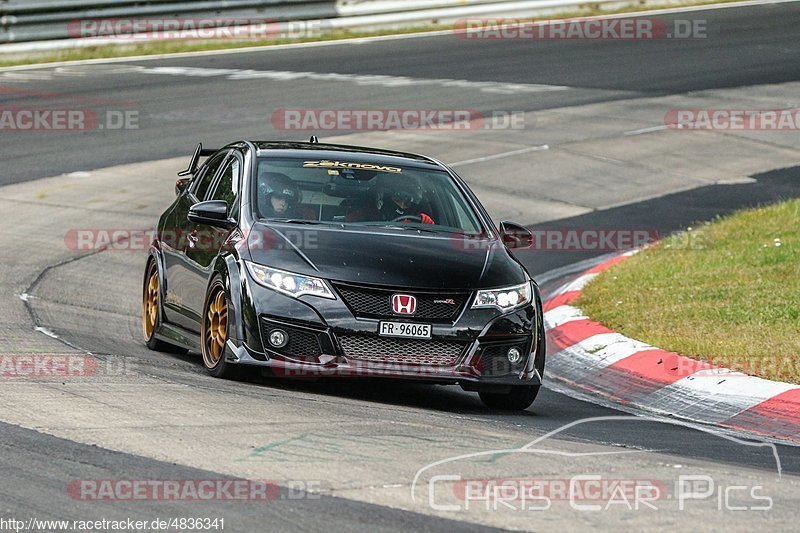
(278,196)
(394,202)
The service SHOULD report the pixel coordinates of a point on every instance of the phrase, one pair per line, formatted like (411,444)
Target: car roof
(358,154)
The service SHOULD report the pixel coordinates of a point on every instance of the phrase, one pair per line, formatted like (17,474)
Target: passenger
(279,197)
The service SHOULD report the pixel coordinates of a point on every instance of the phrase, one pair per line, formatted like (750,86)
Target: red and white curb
(585,355)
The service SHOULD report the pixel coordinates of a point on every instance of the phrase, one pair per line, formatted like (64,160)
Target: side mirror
(515,235)
(181,184)
(212,213)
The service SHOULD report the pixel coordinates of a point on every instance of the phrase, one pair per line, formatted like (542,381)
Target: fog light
(278,338)
(514,356)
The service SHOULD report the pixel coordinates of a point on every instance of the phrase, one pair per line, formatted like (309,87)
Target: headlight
(504,299)
(289,283)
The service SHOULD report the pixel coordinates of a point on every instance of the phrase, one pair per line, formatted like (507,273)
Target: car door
(176,240)
(206,241)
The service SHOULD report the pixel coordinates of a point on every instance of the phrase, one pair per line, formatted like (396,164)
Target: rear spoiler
(198,153)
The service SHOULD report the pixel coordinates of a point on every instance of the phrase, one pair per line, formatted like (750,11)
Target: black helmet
(275,183)
(405,189)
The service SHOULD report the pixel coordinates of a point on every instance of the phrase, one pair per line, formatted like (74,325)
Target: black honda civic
(322,260)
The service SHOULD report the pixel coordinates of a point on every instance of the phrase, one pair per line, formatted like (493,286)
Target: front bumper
(328,340)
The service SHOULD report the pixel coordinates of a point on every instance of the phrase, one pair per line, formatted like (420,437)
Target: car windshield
(361,194)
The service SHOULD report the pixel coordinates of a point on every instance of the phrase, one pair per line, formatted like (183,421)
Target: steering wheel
(408,218)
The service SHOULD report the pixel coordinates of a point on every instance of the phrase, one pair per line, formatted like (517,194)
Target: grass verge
(171,47)
(727,292)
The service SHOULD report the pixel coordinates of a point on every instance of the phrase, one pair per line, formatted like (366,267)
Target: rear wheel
(215,333)
(517,399)
(151,311)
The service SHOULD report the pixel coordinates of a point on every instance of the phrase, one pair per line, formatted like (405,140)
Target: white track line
(500,155)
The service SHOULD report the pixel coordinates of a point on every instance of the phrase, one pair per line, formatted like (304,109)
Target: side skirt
(178,336)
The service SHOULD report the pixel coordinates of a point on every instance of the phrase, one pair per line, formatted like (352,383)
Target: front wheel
(517,399)
(214,335)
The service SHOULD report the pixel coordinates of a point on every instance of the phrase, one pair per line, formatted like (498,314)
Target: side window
(228,184)
(202,184)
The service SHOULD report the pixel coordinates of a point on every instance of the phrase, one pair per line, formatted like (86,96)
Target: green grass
(169,47)
(727,292)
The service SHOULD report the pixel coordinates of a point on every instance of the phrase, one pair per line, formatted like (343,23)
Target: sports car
(325,261)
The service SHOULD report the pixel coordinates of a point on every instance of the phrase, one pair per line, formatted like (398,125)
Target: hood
(379,256)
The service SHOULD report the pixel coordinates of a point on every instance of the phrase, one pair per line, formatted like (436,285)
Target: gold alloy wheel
(215,332)
(150,304)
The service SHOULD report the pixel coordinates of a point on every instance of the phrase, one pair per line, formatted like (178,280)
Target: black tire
(212,339)
(151,312)
(517,399)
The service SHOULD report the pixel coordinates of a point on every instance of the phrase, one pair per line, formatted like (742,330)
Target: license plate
(404,330)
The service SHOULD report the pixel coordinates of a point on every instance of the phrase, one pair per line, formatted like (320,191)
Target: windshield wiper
(407,227)
(296,221)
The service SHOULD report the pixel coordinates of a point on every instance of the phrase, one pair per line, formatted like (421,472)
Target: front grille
(377,303)
(493,360)
(302,344)
(408,351)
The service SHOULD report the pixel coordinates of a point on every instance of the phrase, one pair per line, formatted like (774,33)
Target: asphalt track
(746,47)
